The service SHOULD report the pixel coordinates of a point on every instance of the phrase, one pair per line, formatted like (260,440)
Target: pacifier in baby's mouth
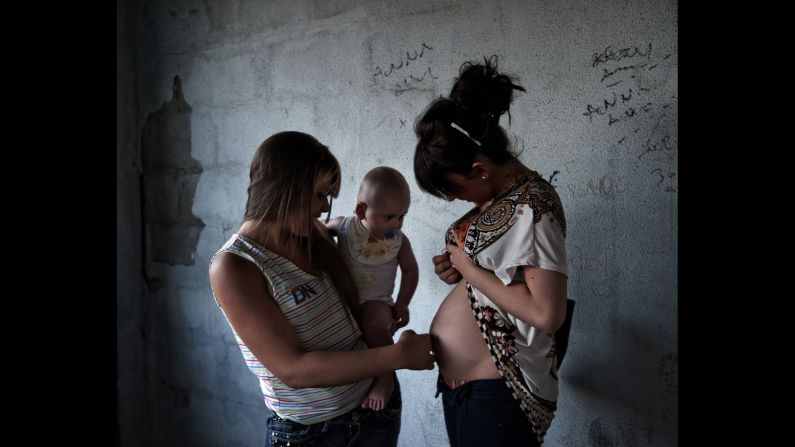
(390,235)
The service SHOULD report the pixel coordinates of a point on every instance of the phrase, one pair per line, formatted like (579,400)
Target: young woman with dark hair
(507,258)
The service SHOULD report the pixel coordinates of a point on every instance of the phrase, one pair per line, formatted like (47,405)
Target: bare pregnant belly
(461,351)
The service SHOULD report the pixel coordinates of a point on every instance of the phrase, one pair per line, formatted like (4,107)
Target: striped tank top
(321,322)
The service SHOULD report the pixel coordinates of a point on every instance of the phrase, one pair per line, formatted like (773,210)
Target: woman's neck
(278,239)
(268,234)
(503,176)
(259,231)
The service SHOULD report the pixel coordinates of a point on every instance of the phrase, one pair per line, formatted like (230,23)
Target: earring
(483,177)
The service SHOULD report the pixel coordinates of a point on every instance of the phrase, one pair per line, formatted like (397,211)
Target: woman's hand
(459,260)
(444,268)
(417,350)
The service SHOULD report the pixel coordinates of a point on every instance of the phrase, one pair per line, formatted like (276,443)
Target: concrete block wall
(599,120)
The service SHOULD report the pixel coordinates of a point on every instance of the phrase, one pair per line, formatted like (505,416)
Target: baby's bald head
(381,183)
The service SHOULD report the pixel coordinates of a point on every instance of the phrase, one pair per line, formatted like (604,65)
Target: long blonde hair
(287,171)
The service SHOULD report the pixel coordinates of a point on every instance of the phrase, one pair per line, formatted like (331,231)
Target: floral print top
(525,226)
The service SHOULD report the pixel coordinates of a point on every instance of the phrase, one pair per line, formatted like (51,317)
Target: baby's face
(385,216)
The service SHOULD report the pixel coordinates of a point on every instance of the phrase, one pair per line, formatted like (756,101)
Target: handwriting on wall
(661,151)
(628,98)
(605,187)
(406,72)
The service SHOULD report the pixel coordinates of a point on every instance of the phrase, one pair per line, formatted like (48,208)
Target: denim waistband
(352,416)
(464,390)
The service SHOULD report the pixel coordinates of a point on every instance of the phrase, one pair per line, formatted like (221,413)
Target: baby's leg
(376,321)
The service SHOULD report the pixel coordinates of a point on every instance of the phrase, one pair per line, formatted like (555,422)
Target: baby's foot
(379,393)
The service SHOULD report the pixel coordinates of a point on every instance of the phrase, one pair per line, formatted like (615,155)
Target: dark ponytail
(483,95)
(479,97)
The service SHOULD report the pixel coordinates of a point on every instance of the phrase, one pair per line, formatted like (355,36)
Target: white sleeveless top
(321,322)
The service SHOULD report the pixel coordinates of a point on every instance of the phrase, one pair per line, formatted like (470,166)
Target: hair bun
(481,90)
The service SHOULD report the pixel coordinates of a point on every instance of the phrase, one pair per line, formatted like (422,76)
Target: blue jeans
(484,413)
(356,428)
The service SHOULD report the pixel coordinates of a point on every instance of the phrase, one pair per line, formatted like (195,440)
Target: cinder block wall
(202,83)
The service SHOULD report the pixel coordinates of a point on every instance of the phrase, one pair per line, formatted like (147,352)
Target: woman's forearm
(333,368)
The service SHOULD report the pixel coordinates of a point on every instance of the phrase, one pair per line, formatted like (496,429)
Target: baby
(373,246)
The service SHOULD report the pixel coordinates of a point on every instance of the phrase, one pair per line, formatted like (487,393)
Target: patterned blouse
(525,226)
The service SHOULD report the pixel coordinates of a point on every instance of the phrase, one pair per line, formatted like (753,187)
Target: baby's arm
(333,225)
(409,277)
